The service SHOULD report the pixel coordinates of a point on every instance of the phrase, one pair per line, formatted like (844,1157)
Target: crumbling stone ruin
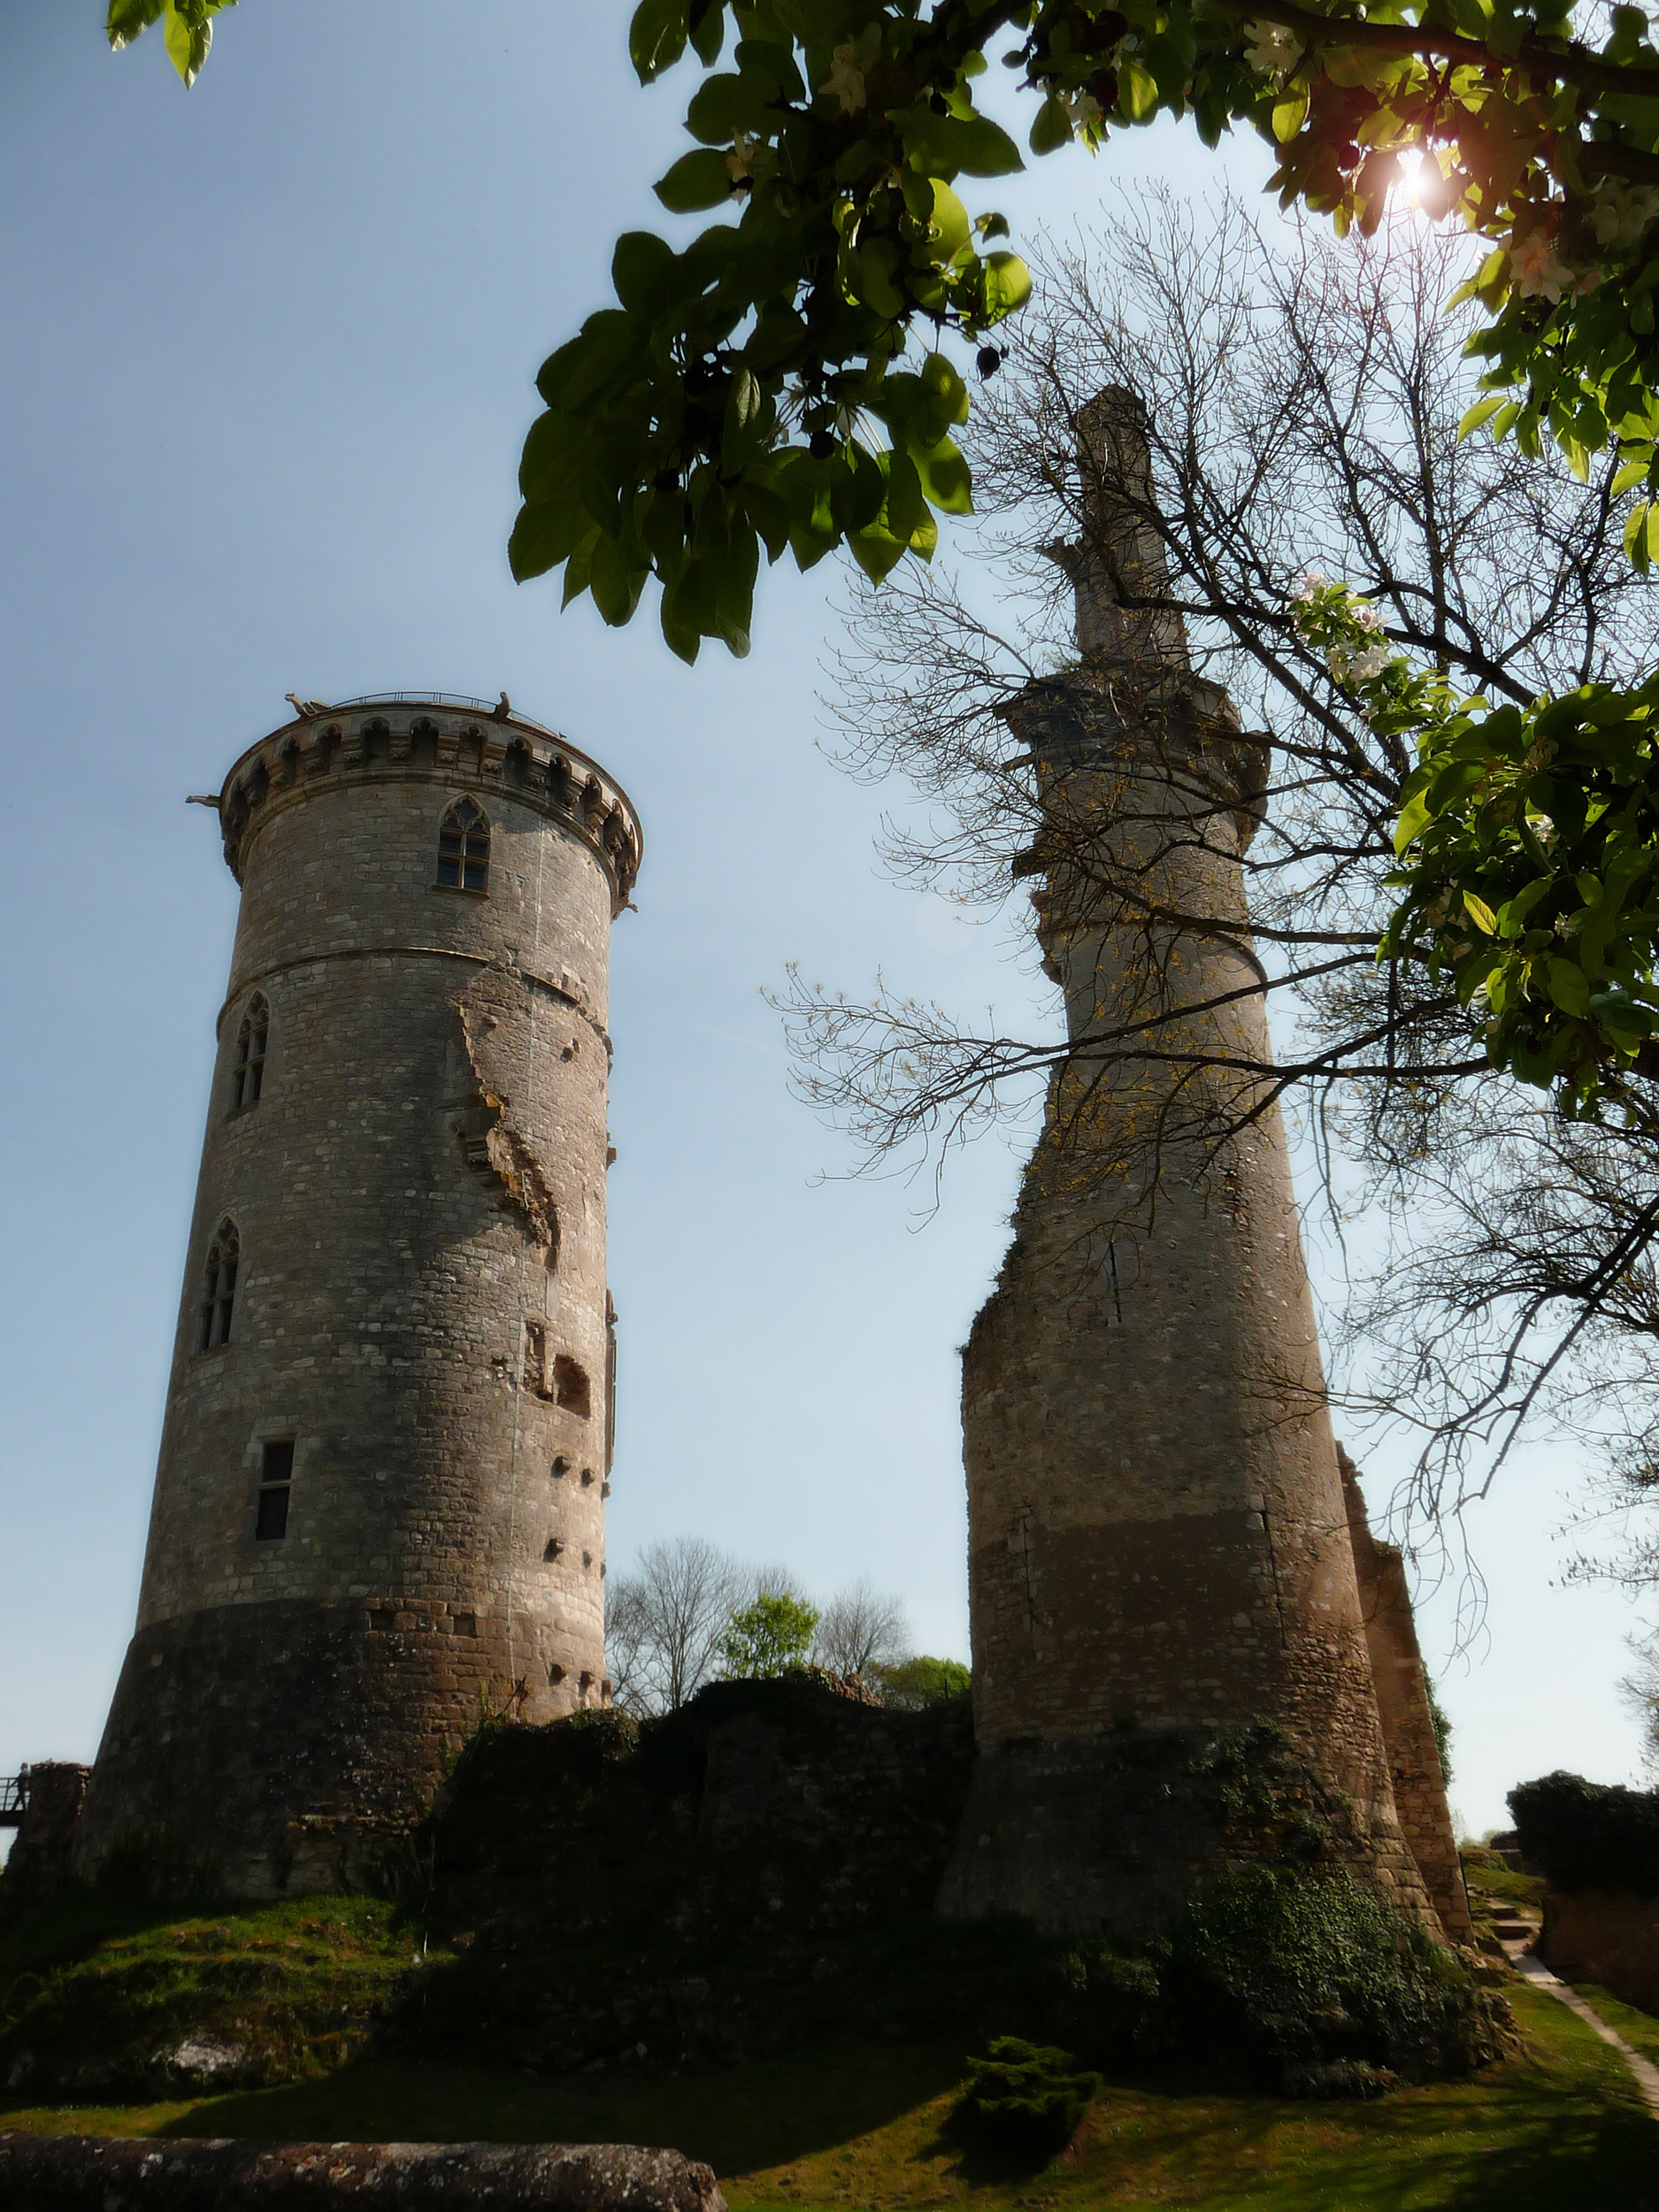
(99,2173)
(1159,1541)
(43,1805)
(378,1508)
(378,1511)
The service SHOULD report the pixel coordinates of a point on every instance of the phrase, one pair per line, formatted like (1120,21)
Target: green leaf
(544,535)
(945,390)
(1052,128)
(948,146)
(1007,285)
(590,363)
(643,269)
(725,106)
(1414,819)
(1568,986)
(946,479)
(697,180)
(127,19)
(708,29)
(983,149)
(1137,90)
(656,37)
(876,550)
(578,566)
(1514,910)
(907,503)
(1481,914)
(1482,412)
(188,36)
(616,583)
(766,511)
(735,595)
(948,219)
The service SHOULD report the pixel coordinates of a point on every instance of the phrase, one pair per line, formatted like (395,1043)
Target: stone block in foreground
(99,2173)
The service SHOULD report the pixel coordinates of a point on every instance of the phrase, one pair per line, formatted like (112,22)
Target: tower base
(1117,1831)
(260,1750)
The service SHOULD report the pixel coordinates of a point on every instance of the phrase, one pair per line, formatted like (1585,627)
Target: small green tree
(774,1631)
(923,1680)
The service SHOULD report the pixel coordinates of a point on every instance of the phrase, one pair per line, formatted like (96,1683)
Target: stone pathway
(1526,1962)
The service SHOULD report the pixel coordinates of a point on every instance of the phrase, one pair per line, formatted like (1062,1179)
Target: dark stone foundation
(280,1747)
(1118,1829)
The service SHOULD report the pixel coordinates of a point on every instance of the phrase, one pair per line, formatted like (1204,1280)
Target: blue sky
(266,358)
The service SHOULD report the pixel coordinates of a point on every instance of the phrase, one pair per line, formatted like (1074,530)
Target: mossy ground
(103,1995)
(864,2125)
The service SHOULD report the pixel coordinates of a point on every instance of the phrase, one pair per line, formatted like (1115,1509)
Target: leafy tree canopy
(924,1680)
(772,1632)
(761,387)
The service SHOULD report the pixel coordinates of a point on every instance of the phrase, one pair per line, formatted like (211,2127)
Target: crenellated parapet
(467,747)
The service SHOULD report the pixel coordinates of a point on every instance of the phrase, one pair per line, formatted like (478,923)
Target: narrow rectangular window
(276,1473)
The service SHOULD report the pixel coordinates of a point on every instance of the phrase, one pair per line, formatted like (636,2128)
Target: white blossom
(846,79)
(1273,50)
(1081,108)
(1622,213)
(1540,273)
(747,157)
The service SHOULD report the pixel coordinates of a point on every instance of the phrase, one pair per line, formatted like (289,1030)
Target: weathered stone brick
(419,1305)
(1158,1540)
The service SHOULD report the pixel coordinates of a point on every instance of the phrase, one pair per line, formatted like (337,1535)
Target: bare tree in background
(665,1621)
(859,1631)
(1301,403)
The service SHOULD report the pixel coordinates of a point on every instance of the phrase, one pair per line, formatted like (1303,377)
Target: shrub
(1589,1835)
(1301,1971)
(1026,2097)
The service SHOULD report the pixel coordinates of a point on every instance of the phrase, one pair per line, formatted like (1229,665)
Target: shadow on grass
(742,2119)
(77,1921)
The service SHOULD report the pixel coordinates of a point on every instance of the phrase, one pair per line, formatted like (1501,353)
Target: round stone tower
(378,1511)
(1170,1664)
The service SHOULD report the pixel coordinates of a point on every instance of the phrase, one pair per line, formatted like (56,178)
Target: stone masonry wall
(1608,1936)
(41,1852)
(420,1306)
(1403,1700)
(1156,1528)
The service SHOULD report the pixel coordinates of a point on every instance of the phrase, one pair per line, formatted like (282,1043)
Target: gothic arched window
(464,847)
(219,1289)
(247,1078)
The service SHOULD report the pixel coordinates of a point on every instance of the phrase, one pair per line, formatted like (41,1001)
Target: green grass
(1640,2030)
(1500,1884)
(99,1995)
(867,2126)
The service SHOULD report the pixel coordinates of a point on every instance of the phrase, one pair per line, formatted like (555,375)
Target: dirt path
(1645,2072)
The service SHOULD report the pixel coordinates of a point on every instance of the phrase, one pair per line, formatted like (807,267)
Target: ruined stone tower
(378,1508)
(1160,1554)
